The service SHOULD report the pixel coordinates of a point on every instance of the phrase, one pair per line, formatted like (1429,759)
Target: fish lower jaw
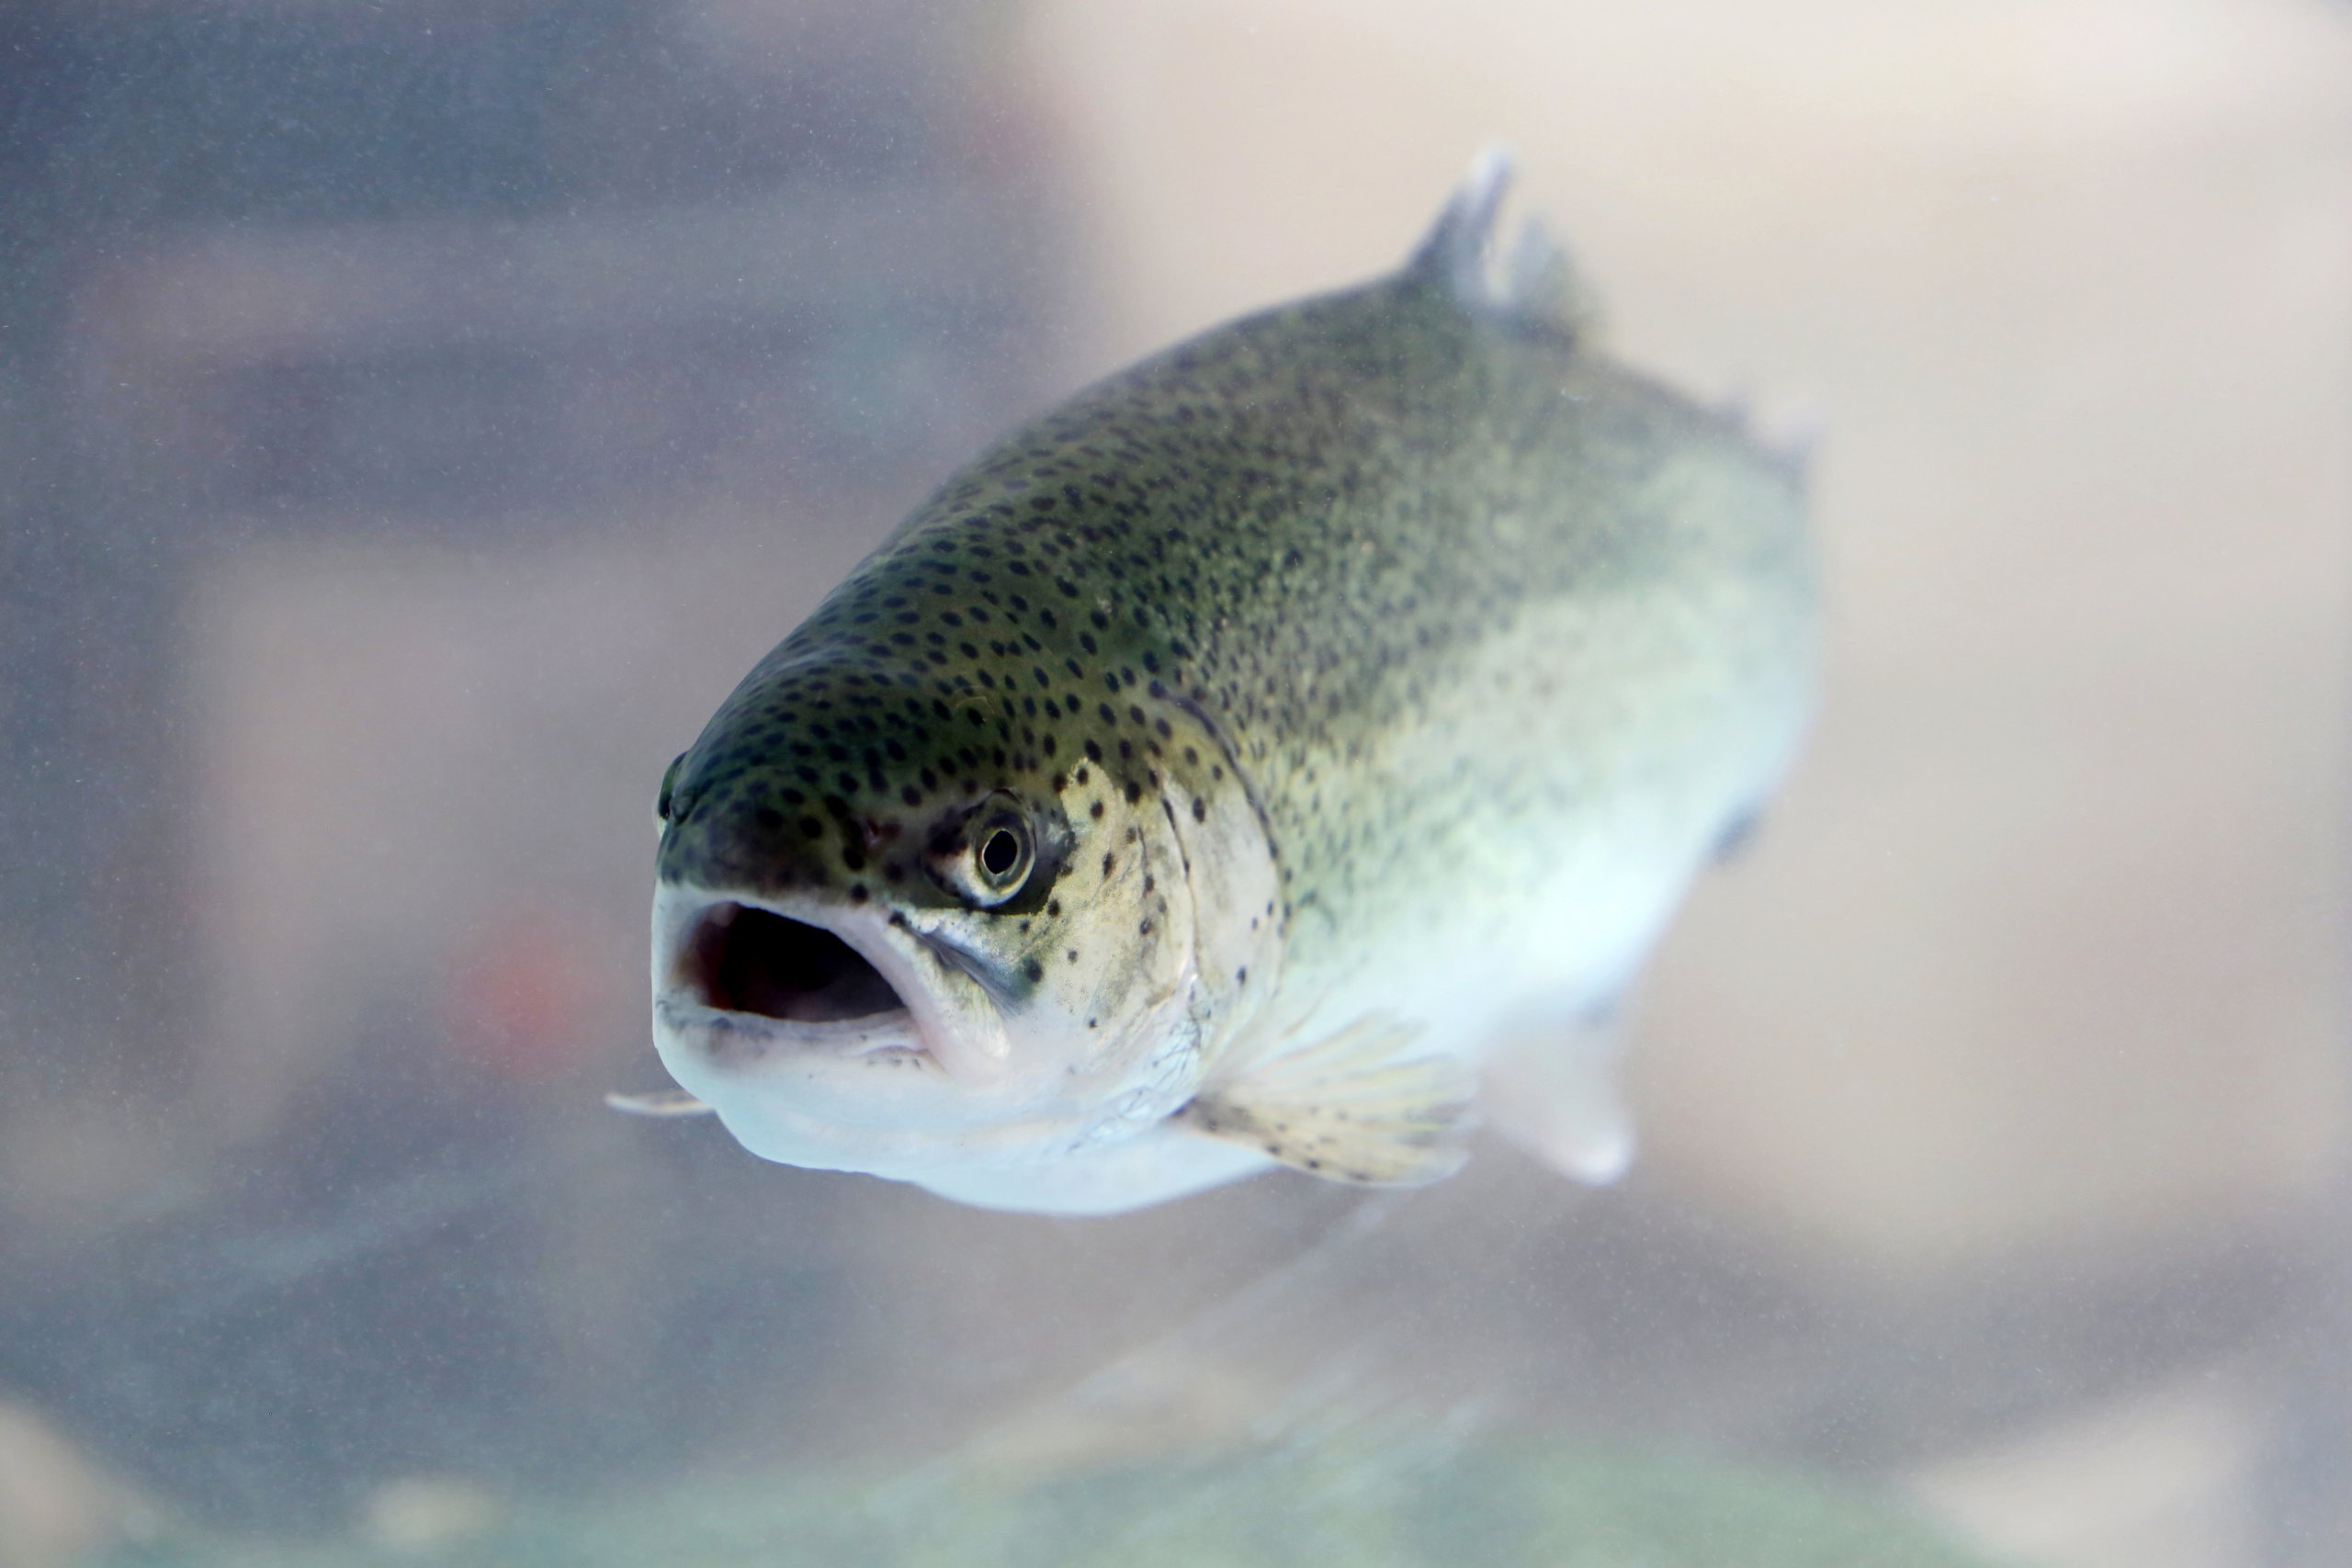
(734,1039)
(839,1096)
(844,1098)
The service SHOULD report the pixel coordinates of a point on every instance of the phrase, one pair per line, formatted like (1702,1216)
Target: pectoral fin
(1351,1107)
(658,1102)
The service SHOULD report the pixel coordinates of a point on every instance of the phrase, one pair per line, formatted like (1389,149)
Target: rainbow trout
(1239,764)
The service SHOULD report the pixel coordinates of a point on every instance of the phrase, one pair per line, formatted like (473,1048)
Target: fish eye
(991,859)
(1000,853)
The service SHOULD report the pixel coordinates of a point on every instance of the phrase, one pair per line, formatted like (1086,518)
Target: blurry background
(415,417)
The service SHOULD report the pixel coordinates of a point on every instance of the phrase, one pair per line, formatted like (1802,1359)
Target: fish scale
(1396,650)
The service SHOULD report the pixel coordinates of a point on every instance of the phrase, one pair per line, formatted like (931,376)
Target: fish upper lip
(974,1054)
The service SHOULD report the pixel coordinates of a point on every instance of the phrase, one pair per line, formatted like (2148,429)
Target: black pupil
(1000,853)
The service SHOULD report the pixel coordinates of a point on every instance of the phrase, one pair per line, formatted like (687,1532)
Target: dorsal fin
(1535,288)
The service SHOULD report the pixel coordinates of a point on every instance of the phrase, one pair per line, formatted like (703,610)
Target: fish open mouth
(745,960)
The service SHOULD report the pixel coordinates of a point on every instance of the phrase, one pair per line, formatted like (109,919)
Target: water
(412,420)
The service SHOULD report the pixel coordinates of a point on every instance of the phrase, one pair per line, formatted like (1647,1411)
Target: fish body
(1233,766)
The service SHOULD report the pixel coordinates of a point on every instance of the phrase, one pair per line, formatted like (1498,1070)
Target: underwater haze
(416,417)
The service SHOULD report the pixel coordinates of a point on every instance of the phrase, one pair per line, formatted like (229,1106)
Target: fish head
(897,929)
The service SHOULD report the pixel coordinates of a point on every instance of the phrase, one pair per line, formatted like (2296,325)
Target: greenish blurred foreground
(1485,1504)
